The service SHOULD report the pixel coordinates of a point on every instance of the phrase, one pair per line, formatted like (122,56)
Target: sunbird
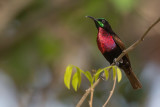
(111,47)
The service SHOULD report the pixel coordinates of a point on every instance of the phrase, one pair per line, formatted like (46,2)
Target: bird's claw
(117,62)
(121,61)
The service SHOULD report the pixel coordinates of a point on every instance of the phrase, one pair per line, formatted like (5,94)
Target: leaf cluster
(76,78)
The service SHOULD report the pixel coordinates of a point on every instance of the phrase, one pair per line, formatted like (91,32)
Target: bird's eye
(103,21)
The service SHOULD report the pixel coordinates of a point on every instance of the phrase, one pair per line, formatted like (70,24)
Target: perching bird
(111,47)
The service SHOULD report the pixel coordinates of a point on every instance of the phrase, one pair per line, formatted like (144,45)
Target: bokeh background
(39,38)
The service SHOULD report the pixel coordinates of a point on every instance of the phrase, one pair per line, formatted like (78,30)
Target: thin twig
(87,92)
(91,98)
(144,35)
(111,93)
(137,42)
(117,59)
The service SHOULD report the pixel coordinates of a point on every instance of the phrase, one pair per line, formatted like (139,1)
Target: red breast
(105,41)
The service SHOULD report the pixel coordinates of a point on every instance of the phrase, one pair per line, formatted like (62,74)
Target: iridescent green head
(101,22)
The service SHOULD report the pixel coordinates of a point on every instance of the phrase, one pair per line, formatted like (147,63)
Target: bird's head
(101,22)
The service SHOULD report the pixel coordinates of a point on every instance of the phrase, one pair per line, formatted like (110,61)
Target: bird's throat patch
(105,41)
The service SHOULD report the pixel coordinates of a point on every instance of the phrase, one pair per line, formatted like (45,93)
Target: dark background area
(39,38)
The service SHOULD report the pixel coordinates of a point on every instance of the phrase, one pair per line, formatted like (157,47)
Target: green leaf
(79,75)
(89,76)
(106,73)
(97,74)
(114,71)
(119,74)
(75,81)
(67,76)
(109,68)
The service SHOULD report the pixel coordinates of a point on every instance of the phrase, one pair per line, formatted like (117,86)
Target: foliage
(76,79)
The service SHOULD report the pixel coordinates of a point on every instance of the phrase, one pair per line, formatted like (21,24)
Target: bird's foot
(121,61)
(117,62)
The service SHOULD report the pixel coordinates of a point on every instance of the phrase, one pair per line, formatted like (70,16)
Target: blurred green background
(39,38)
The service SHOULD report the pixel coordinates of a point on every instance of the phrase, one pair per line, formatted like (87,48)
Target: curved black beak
(92,18)
(95,20)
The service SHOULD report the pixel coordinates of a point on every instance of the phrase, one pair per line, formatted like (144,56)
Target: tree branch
(137,42)
(117,59)
(91,99)
(87,92)
(111,93)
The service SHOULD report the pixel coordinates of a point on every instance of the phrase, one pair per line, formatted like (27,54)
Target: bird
(111,47)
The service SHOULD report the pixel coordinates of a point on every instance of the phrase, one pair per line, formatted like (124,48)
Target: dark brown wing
(120,44)
(127,69)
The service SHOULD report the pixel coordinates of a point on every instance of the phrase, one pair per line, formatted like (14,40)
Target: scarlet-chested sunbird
(111,47)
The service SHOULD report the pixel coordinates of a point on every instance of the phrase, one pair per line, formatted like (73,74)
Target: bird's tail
(132,78)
